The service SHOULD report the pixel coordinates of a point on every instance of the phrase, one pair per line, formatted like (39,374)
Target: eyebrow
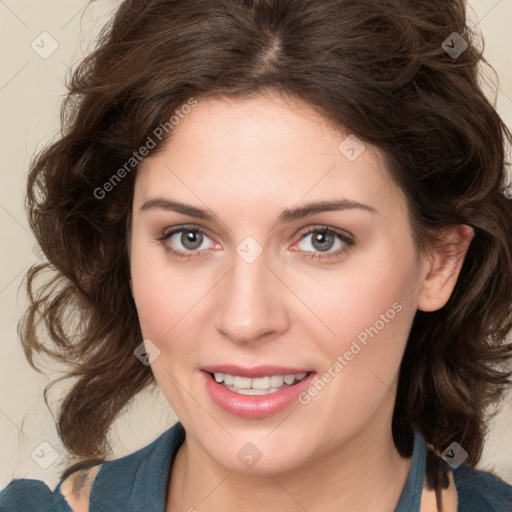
(287,215)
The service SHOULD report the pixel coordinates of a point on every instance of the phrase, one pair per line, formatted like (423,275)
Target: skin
(246,160)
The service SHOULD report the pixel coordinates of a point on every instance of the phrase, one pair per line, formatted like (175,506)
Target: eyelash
(348,242)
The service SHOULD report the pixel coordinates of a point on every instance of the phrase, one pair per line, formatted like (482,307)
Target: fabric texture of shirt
(138,482)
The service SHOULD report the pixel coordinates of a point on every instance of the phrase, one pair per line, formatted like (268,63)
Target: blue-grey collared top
(138,482)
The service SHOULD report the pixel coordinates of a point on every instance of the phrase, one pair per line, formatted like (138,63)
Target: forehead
(264,149)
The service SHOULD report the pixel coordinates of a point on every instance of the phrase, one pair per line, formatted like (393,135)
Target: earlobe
(445,262)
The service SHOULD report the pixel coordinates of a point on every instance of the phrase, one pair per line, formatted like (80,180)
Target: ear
(443,267)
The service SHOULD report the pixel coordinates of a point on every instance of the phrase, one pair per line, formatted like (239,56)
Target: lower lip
(255,406)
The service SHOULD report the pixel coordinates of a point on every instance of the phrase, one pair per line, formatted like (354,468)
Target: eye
(191,238)
(323,239)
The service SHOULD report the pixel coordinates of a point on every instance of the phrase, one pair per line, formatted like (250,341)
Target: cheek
(369,312)
(373,292)
(361,362)
(157,286)
(168,301)
(158,295)
(162,300)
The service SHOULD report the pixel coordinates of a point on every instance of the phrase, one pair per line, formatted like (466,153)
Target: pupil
(323,236)
(191,237)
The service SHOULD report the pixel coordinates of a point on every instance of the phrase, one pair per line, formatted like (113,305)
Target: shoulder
(34,495)
(135,479)
(139,478)
(71,494)
(481,491)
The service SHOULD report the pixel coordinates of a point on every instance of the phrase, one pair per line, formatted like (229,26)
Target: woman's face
(257,297)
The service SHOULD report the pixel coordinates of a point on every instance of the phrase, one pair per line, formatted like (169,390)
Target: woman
(292,216)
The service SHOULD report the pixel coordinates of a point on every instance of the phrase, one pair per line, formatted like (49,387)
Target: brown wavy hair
(377,68)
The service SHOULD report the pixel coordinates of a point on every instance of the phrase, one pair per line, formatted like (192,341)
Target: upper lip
(253,372)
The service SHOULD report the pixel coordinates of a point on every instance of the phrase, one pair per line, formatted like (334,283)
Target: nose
(252,302)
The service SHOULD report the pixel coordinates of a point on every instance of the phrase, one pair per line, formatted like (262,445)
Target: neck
(364,474)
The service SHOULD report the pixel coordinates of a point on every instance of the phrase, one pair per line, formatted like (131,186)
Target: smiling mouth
(258,385)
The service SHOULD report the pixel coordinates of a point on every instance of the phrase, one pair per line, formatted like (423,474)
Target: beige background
(31,88)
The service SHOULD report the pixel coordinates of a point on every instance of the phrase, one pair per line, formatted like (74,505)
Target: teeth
(246,385)
(289,379)
(276,381)
(242,382)
(261,383)
(253,391)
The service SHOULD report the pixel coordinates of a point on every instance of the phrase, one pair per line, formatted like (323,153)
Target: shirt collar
(410,499)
